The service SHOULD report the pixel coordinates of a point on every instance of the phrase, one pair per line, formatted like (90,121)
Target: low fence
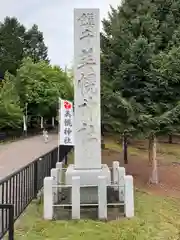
(21,187)
(8,211)
(114,189)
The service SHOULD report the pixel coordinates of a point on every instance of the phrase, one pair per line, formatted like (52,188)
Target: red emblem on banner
(67,105)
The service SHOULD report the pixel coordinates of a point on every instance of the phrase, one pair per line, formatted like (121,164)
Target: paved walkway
(17,154)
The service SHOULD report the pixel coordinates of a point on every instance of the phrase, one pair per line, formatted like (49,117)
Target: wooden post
(150,150)
(125,148)
(170,138)
(154,176)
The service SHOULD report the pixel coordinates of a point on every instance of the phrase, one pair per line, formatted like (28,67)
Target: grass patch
(162,149)
(114,145)
(170,150)
(71,157)
(155,218)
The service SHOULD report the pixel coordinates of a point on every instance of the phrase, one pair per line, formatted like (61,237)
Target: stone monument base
(88,177)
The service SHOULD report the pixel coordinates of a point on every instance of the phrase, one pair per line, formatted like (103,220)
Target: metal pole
(11,222)
(26,118)
(59,108)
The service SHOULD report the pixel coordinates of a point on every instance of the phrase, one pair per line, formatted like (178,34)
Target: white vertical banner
(66,123)
(24,124)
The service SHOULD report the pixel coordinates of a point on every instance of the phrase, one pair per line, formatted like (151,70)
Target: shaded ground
(169,166)
(14,155)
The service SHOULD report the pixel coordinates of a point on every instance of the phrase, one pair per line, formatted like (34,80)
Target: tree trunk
(154,175)
(150,150)
(102,137)
(53,122)
(125,148)
(170,138)
(102,143)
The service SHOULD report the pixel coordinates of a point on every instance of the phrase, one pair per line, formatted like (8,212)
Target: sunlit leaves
(40,85)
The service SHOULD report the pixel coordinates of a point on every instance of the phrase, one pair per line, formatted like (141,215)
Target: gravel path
(17,154)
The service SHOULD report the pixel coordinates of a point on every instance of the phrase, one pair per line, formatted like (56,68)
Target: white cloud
(55,20)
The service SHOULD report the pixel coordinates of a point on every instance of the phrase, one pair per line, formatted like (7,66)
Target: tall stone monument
(87,121)
(87,180)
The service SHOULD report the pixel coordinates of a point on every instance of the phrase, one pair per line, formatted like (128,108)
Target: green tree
(35,47)
(16,43)
(40,85)
(11,45)
(10,112)
(140,62)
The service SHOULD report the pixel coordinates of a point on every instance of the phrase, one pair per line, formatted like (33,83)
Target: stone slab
(90,177)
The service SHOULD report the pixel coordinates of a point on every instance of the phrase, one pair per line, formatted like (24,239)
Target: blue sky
(55,20)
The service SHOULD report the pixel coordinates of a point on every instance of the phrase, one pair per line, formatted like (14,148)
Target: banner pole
(59,114)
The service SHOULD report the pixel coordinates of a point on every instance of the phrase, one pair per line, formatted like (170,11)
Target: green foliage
(34,45)
(140,57)
(10,112)
(11,45)
(40,85)
(16,43)
(30,83)
(37,86)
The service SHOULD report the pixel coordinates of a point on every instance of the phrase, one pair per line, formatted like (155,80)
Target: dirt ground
(168,169)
